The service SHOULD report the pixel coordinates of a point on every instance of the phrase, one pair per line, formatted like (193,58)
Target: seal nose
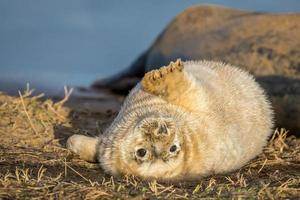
(163,129)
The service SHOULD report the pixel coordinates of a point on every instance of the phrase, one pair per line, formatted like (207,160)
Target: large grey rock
(267,45)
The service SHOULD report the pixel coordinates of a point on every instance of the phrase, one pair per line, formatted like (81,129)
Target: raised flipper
(170,83)
(84,146)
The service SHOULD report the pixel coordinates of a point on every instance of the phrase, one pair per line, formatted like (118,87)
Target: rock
(266,44)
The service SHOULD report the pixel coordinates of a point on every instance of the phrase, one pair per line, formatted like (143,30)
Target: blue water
(53,43)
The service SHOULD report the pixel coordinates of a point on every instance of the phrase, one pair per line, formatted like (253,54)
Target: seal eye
(141,152)
(173,148)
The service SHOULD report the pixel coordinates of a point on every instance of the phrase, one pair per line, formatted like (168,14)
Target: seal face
(185,120)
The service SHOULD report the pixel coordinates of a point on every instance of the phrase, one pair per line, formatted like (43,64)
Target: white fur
(228,125)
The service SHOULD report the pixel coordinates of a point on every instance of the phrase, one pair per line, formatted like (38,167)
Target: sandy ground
(34,163)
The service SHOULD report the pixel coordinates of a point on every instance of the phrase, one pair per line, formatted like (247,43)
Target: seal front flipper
(84,146)
(171,83)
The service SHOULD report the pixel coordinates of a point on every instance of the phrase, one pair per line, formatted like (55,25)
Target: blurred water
(74,42)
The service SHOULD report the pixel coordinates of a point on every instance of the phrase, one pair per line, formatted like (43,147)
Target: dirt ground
(34,163)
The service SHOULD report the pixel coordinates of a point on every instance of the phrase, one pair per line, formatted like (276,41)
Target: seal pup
(184,121)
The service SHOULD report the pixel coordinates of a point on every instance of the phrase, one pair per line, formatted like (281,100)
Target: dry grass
(35,165)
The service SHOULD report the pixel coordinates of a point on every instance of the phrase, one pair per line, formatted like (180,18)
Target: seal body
(185,120)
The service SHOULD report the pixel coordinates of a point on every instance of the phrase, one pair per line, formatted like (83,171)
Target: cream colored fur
(216,115)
